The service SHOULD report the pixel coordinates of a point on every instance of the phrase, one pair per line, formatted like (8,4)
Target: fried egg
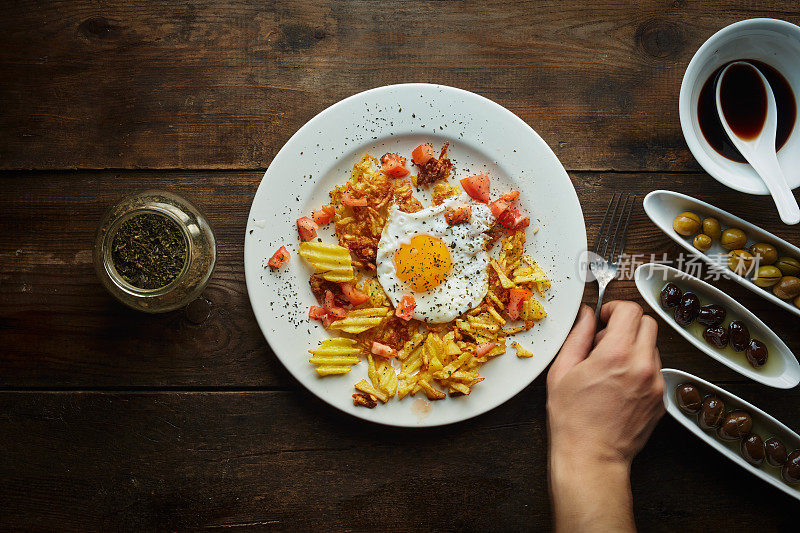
(443,267)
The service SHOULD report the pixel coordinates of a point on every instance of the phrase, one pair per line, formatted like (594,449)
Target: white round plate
(484,137)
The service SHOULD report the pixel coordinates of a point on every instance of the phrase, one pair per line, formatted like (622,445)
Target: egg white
(468,281)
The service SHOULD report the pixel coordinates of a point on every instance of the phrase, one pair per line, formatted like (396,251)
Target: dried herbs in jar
(149,250)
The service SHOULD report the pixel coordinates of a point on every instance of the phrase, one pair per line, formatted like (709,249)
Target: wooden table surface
(111,419)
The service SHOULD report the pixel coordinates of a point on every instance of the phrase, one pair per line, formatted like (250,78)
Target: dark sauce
(744,107)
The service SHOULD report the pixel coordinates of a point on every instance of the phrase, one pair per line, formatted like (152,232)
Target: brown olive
(716,336)
(788,265)
(688,398)
(776,452)
(765,252)
(702,242)
(687,224)
(670,296)
(756,353)
(688,308)
(711,315)
(712,411)
(736,425)
(788,288)
(733,239)
(739,335)
(791,468)
(741,262)
(767,276)
(712,228)
(752,449)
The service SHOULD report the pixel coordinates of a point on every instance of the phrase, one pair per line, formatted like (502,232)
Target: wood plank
(217,84)
(285,461)
(58,327)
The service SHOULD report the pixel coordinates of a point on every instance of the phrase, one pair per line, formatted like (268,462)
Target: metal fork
(610,244)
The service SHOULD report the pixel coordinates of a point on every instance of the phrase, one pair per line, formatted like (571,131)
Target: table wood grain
(110,419)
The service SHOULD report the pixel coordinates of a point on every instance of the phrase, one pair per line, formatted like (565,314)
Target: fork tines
(610,240)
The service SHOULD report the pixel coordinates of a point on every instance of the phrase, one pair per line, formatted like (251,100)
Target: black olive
(717,336)
(712,411)
(711,315)
(756,353)
(752,449)
(688,397)
(791,469)
(670,295)
(686,311)
(739,335)
(776,452)
(736,425)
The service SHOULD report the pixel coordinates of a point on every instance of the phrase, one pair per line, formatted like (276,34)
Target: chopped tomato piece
(307,228)
(498,207)
(337,312)
(512,219)
(355,296)
(405,309)
(483,349)
(394,165)
(329,299)
(458,214)
(327,320)
(422,154)
(383,350)
(349,199)
(323,215)
(477,187)
(279,258)
(316,313)
(516,297)
(510,196)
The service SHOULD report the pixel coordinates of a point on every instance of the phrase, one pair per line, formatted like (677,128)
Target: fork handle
(600,293)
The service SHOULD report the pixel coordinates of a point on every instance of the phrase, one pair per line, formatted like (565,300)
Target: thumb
(577,346)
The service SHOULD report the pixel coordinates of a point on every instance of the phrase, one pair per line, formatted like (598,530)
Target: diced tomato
(336,312)
(323,215)
(383,350)
(498,207)
(422,154)
(510,196)
(394,165)
(512,219)
(279,258)
(348,199)
(327,320)
(483,349)
(405,309)
(329,299)
(316,313)
(458,214)
(477,187)
(307,228)
(516,297)
(355,296)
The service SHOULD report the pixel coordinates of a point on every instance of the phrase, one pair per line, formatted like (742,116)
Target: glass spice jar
(185,284)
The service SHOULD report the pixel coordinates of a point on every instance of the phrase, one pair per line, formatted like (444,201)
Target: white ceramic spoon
(764,424)
(760,150)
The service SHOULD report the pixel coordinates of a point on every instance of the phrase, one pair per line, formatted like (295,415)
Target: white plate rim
(565,317)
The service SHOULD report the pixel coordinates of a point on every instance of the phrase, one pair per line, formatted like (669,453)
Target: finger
(600,335)
(576,348)
(646,336)
(622,321)
(658,359)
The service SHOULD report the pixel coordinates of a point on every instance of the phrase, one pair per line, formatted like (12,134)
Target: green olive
(702,242)
(767,276)
(788,265)
(733,239)
(740,261)
(712,228)
(765,252)
(687,224)
(787,288)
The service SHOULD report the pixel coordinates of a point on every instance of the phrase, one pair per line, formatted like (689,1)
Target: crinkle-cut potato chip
(360,320)
(330,260)
(510,255)
(505,282)
(432,349)
(532,310)
(365,387)
(431,392)
(521,352)
(377,297)
(335,356)
(410,345)
(382,376)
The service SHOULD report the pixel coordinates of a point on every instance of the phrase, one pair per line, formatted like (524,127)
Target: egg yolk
(422,264)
